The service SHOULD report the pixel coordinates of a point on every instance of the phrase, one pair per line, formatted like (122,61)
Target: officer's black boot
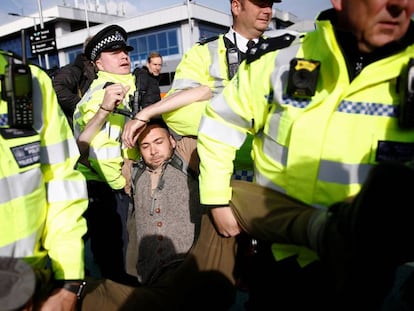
(363,242)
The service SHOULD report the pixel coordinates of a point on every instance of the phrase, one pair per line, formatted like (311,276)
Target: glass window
(207,31)
(163,40)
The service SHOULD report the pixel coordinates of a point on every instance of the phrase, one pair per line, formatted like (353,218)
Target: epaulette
(207,40)
(268,45)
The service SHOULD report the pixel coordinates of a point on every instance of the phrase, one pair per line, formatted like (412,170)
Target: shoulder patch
(268,45)
(207,40)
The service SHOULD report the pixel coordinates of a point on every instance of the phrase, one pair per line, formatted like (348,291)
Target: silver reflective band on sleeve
(60,152)
(77,115)
(275,151)
(214,67)
(105,153)
(221,132)
(114,131)
(66,190)
(280,75)
(182,84)
(20,185)
(21,248)
(220,106)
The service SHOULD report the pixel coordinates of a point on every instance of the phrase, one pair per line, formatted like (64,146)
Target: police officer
(210,63)
(203,73)
(326,112)
(42,197)
(103,109)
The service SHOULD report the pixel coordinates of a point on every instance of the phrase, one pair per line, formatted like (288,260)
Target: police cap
(111,38)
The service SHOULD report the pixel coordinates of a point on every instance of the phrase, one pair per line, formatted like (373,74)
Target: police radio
(133,102)
(17,92)
(232,61)
(406,91)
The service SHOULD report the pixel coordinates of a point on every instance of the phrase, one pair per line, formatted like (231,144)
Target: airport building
(170,31)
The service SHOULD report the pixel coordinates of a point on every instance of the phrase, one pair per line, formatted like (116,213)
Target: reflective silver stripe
(220,106)
(341,173)
(279,79)
(76,126)
(265,182)
(77,115)
(20,185)
(215,66)
(60,152)
(221,132)
(182,84)
(105,153)
(21,248)
(114,131)
(73,190)
(274,150)
(89,93)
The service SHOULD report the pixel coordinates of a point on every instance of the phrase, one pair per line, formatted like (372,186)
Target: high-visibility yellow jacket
(318,149)
(42,196)
(106,154)
(203,64)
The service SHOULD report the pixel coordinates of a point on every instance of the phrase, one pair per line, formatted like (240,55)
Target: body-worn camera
(406,91)
(17,92)
(303,76)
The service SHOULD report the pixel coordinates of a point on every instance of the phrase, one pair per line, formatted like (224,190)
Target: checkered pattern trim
(4,120)
(243,175)
(116,37)
(372,109)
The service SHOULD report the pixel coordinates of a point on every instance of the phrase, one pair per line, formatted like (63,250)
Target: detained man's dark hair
(160,122)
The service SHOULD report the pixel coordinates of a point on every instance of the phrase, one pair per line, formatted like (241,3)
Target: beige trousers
(208,270)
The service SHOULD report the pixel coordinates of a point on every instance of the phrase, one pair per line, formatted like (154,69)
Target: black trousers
(106,217)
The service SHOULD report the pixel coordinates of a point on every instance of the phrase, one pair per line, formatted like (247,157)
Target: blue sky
(303,9)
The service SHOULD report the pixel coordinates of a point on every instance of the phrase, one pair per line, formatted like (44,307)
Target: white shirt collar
(241,42)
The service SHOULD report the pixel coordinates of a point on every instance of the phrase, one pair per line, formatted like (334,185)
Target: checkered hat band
(116,37)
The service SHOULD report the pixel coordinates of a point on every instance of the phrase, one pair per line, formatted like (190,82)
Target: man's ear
(173,141)
(98,64)
(337,4)
(235,7)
